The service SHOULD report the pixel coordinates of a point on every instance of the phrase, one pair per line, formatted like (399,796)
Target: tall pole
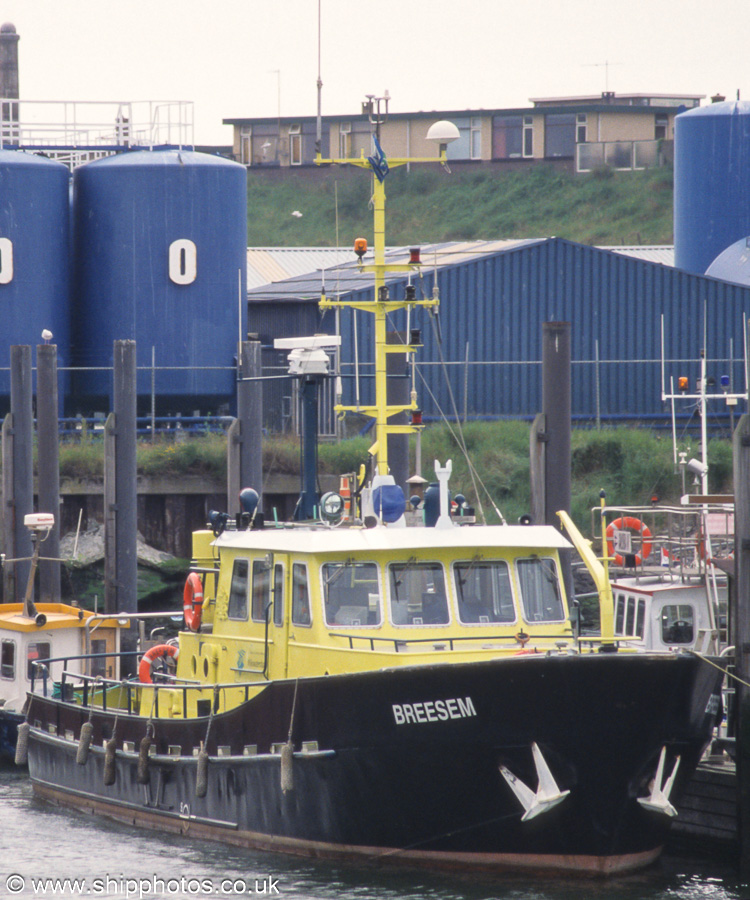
(556,406)
(48,467)
(23,471)
(381,410)
(740,619)
(250,414)
(124,598)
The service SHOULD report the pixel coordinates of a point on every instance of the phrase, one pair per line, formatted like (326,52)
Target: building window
(661,123)
(528,136)
(581,128)
(507,137)
(345,139)
(295,145)
(560,135)
(246,137)
(476,138)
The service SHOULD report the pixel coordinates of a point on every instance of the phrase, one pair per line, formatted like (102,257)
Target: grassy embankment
(630,465)
(601,208)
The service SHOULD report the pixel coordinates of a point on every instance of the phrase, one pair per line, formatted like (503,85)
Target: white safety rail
(78,132)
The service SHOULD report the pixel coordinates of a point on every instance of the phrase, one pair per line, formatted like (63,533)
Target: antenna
(605,65)
(319,123)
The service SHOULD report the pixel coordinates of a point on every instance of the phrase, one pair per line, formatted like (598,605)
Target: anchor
(548,793)
(658,799)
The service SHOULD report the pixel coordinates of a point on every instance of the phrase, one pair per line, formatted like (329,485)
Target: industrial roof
(268,264)
(657,253)
(347,277)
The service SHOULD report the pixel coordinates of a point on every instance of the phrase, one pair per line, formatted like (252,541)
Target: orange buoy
(144,667)
(192,601)
(633,524)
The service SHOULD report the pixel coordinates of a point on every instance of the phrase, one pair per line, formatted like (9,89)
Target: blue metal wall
(497,305)
(128,212)
(34,257)
(711,182)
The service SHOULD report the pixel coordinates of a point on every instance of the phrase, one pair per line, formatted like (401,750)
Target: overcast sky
(229,56)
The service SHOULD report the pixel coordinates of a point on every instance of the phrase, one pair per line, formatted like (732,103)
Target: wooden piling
(740,617)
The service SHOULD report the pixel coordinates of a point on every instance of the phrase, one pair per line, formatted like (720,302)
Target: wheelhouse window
(678,624)
(99,663)
(261,589)
(540,590)
(418,594)
(484,592)
(35,653)
(630,616)
(278,595)
(237,606)
(351,593)
(300,595)
(8,659)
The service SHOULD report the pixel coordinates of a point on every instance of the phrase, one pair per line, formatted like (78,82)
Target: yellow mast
(382,305)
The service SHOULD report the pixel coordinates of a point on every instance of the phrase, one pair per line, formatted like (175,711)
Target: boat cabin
(307,601)
(57,631)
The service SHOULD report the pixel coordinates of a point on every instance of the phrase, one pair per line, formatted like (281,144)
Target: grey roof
(345,278)
(658,253)
(268,264)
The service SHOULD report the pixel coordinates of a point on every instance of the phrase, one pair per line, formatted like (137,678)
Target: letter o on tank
(183,261)
(6,261)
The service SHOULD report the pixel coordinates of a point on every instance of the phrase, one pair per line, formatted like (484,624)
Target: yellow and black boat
(360,689)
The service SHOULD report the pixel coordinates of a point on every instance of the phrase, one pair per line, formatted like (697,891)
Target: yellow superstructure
(311,601)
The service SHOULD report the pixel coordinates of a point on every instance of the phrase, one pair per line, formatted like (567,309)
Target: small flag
(664,557)
(378,161)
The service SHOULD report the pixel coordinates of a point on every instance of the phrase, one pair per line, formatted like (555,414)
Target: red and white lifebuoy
(633,524)
(148,658)
(192,601)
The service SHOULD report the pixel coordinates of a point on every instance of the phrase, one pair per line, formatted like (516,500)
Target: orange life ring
(144,667)
(634,525)
(192,601)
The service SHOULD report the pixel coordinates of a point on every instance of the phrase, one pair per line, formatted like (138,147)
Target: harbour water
(49,852)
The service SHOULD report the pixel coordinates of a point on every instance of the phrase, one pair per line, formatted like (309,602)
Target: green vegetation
(631,465)
(604,207)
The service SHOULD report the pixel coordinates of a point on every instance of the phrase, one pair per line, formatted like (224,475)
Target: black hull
(422,786)
(9,722)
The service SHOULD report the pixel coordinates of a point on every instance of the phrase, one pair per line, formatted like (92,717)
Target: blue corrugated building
(495,296)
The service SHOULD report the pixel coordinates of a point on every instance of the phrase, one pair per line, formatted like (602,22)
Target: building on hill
(623,131)
(483,360)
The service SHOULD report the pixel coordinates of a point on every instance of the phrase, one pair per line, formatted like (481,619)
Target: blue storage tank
(34,258)
(160,248)
(711,182)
